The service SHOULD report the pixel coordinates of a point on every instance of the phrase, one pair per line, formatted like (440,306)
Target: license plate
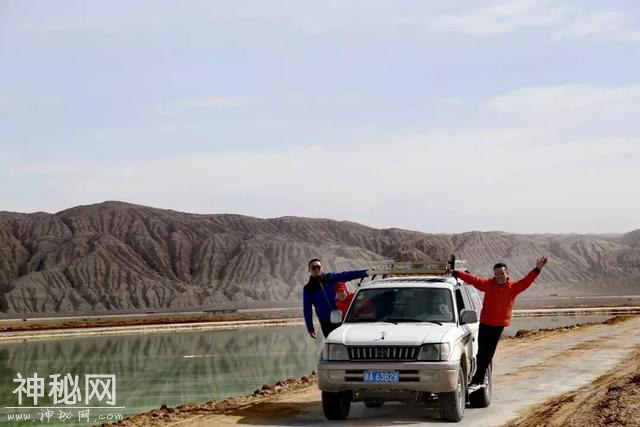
(381,376)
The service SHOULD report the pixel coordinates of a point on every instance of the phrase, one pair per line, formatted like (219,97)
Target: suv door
(463,301)
(474,304)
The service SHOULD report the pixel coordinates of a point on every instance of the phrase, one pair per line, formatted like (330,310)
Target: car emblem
(382,353)
(382,335)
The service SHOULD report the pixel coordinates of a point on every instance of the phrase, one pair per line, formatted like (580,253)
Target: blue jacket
(315,290)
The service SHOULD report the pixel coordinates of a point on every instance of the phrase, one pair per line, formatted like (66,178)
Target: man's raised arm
(522,284)
(479,282)
(345,276)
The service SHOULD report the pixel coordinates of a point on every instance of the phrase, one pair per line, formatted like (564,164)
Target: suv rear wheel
(452,403)
(482,397)
(336,406)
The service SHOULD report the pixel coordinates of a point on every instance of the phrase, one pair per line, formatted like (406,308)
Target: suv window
(464,299)
(474,297)
(402,304)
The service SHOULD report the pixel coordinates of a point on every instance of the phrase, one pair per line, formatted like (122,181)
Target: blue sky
(438,116)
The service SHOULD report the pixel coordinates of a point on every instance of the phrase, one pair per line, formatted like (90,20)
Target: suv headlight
(434,352)
(335,352)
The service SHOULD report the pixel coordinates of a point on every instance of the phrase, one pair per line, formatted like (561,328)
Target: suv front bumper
(433,377)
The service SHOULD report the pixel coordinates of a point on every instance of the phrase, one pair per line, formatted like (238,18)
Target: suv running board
(475,387)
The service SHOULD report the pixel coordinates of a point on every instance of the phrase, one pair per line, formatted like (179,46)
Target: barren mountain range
(119,256)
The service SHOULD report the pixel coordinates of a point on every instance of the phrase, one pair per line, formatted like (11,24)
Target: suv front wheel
(452,403)
(336,406)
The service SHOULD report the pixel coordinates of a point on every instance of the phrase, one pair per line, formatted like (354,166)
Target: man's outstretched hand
(541,262)
(312,334)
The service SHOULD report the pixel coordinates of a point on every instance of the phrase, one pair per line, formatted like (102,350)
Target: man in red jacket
(500,293)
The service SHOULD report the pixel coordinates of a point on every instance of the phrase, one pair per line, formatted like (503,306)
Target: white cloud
(613,26)
(562,21)
(504,17)
(567,98)
(571,112)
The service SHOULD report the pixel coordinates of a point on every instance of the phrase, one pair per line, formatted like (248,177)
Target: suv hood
(412,334)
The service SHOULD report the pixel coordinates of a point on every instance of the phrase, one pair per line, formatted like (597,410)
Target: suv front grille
(377,352)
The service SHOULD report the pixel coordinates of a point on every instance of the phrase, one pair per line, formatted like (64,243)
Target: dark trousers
(488,338)
(328,327)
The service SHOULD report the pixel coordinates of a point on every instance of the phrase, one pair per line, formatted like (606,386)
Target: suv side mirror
(468,316)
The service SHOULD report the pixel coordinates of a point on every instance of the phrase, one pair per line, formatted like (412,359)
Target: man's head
(341,291)
(500,272)
(315,267)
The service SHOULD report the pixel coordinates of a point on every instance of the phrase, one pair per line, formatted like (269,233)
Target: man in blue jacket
(320,293)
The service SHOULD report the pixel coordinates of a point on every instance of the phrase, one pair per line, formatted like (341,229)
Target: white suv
(408,339)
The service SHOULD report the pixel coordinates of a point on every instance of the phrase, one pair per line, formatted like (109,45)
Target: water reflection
(170,369)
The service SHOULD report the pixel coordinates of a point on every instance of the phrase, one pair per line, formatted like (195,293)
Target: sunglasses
(316,267)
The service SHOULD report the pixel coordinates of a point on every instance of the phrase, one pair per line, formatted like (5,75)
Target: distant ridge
(121,256)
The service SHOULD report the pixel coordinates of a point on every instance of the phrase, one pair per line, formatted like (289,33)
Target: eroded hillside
(118,256)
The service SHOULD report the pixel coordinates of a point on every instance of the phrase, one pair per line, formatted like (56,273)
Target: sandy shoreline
(29,329)
(131,330)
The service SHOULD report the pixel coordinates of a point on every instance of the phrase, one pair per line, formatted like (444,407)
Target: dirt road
(612,400)
(528,372)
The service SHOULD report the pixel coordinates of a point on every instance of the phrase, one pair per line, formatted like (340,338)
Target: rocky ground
(550,377)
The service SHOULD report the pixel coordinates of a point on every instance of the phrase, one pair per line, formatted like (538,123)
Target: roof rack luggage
(416,268)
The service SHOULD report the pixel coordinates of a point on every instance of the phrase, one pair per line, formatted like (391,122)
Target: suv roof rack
(416,268)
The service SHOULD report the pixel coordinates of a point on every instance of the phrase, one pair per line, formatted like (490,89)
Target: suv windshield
(402,304)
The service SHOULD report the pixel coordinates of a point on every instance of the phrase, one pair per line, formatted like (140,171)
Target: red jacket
(343,306)
(498,299)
